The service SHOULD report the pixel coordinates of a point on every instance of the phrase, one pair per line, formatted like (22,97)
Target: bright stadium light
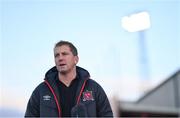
(136,22)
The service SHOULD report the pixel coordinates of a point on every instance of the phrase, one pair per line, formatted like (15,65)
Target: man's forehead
(63,48)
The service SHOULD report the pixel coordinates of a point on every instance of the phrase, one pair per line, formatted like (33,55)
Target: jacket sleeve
(33,109)
(103,105)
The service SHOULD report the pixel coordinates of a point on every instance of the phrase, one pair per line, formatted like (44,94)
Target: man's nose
(60,58)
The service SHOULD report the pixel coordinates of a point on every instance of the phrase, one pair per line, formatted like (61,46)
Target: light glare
(136,22)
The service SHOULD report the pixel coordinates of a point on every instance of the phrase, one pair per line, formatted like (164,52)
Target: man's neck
(67,78)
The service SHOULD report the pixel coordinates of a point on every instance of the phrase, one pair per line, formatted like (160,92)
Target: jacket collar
(52,73)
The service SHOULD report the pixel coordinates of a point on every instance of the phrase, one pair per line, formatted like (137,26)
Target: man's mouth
(62,64)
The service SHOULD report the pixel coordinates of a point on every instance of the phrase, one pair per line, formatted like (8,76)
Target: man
(67,89)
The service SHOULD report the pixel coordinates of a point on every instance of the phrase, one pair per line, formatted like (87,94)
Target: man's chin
(63,71)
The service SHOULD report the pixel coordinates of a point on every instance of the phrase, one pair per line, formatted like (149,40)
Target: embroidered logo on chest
(87,95)
(46,97)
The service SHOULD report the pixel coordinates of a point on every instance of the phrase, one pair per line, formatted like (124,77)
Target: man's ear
(76,59)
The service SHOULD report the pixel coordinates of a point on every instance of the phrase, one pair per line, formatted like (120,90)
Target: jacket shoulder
(40,88)
(92,83)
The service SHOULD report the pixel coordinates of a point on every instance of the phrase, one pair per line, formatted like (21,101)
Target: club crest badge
(87,95)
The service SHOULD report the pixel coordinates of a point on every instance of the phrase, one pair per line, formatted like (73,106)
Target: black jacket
(91,100)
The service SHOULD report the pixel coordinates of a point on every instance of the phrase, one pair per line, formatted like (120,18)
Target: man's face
(64,59)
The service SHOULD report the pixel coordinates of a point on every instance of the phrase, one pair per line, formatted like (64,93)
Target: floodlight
(136,22)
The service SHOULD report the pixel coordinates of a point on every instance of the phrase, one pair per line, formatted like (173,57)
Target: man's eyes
(65,53)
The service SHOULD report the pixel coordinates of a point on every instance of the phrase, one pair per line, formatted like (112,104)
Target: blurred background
(130,47)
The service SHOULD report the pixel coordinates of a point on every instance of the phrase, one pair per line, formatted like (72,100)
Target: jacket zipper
(56,100)
(82,88)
